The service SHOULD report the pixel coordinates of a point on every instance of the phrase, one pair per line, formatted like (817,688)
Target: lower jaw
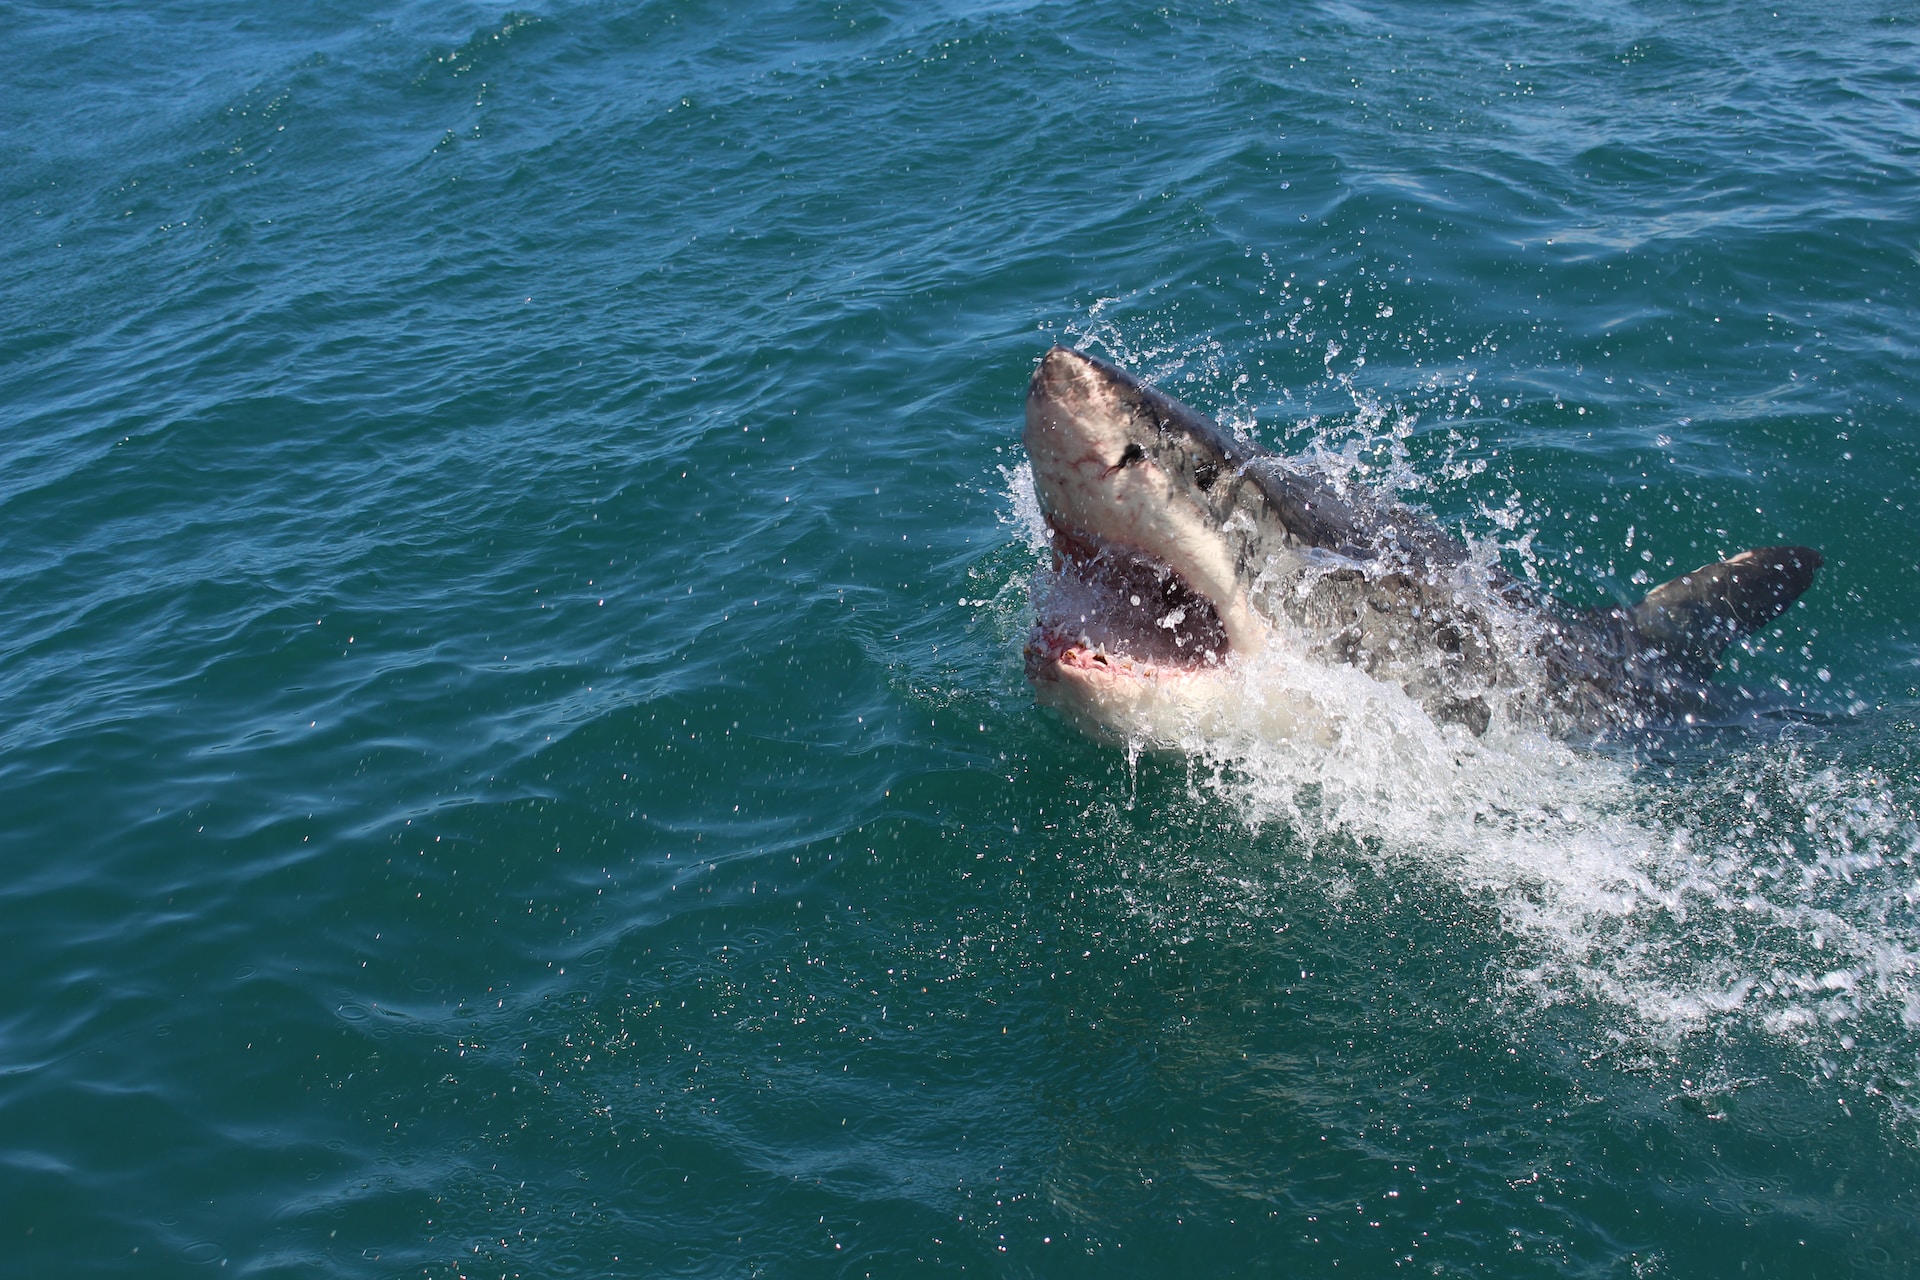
(1049,657)
(1117,701)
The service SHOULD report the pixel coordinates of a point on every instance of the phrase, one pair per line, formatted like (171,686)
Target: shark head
(1149,596)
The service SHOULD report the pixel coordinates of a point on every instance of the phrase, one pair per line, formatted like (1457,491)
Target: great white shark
(1180,550)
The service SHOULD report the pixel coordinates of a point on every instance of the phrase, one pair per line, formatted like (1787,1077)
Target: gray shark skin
(1178,545)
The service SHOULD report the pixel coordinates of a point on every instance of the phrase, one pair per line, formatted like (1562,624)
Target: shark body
(1178,546)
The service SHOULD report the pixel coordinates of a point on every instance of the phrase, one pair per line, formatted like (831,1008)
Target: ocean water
(514,552)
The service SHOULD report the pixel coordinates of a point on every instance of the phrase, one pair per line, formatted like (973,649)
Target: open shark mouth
(1115,613)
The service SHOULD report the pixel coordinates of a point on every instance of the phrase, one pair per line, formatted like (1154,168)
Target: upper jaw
(1200,567)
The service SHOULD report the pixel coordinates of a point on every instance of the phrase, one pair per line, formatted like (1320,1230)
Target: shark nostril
(1131,454)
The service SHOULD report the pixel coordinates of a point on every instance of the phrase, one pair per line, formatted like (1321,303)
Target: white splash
(1772,890)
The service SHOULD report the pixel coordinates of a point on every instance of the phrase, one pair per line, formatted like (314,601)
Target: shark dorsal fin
(1692,619)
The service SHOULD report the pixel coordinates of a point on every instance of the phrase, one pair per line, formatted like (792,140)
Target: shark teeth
(1051,651)
(1120,613)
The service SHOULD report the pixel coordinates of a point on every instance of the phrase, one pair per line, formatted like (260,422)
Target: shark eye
(1205,473)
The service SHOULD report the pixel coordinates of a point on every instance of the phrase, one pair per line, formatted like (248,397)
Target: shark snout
(1072,394)
(1064,374)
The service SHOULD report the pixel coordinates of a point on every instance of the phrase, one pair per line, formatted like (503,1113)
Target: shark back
(1359,524)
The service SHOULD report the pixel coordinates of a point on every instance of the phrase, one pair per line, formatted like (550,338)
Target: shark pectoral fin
(1693,618)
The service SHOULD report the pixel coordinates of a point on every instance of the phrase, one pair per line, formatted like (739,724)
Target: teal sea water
(514,553)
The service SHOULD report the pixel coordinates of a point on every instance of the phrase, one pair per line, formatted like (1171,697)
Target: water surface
(513,560)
